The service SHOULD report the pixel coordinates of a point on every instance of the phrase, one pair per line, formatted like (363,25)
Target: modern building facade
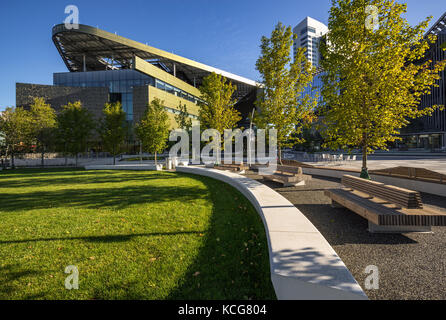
(429,132)
(104,67)
(309,33)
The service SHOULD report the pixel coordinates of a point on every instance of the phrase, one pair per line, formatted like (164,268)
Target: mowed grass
(131,234)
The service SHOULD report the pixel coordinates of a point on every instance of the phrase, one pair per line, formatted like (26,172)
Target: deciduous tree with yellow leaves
(375,74)
(283,105)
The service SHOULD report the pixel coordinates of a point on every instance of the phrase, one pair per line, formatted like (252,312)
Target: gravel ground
(411,266)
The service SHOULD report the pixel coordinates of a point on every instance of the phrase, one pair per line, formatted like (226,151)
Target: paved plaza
(437,164)
(411,266)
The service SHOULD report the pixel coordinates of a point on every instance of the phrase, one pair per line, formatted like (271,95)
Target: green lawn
(131,234)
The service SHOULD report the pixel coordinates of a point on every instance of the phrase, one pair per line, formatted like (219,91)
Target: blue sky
(221,33)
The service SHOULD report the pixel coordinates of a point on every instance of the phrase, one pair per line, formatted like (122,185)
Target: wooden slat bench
(288,176)
(256,167)
(234,167)
(387,208)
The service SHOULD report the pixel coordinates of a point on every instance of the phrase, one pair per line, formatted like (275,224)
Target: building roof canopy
(92,49)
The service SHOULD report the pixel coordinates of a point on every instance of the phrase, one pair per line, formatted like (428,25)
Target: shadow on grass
(234,261)
(106,238)
(36,178)
(10,273)
(99,197)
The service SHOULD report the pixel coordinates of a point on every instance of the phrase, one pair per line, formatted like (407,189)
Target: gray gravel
(411,266)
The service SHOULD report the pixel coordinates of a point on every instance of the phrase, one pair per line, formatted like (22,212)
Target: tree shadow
(10,273)
(32,177)
(311,266)
(105,238)
(98,198)
(233,262)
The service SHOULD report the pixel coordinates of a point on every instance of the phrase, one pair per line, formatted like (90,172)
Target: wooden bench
(234,167)
(387,208)
(289,176)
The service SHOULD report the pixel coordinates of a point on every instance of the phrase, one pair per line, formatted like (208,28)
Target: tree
(283,105)
(43,124)
(153,129)
(375,76)
(113,128)
(183,118)
(15,126)
(75,125)
(217,109)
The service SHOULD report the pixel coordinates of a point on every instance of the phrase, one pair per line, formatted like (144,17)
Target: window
(160,85)
(169,89)
(307,29)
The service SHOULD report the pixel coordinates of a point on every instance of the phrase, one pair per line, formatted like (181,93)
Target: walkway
(411,266)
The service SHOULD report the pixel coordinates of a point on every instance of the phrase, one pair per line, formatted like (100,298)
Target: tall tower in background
(309,32)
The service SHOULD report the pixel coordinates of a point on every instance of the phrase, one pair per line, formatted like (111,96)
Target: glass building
(104,67)
(309,33)
(429,132)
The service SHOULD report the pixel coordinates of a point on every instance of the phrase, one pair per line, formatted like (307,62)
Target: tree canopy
(375,75)
(217,109)
(16,130)
(183,118)
(113,128)
(282,104)
(43,124)
(75,128)
(153,129)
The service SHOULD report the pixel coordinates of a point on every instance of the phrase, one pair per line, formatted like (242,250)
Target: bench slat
(384,214)
(403,197)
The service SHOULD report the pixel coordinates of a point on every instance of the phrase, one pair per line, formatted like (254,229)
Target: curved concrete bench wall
(303,264)
(121,167)
(417,185)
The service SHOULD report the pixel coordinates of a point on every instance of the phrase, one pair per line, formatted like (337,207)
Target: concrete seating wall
(303,264)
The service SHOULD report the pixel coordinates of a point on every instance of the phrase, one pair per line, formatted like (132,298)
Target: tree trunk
(76,158)
(364,158)
(280,153)
(114,156)
(364,171)
(155,159)
(12,160)
(140,152)
(42,162)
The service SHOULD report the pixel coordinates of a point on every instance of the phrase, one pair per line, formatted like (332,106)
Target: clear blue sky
(224,34)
